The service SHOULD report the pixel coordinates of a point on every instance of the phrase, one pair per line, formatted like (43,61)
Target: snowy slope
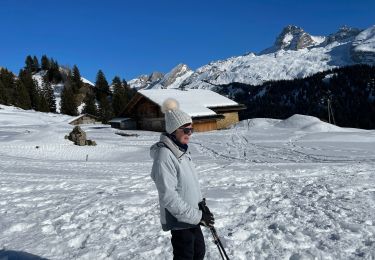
(38,77)
(57,88)
(364,46)
(277,191)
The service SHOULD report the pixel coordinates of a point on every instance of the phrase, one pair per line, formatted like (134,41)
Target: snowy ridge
(364,46)
(139,82)
(157,80)
(365,41)
(295,54)
(174,78)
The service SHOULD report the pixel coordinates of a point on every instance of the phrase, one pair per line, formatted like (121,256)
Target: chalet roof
(195,102)
(82,115)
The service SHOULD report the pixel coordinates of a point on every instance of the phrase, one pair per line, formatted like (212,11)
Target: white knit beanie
(174,117)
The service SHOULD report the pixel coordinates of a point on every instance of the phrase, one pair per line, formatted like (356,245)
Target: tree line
(350,92)
(26,92)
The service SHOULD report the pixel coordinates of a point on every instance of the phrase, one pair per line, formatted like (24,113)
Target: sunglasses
(187,130)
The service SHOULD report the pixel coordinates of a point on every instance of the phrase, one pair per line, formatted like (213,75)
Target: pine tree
(43,103)
(29,63)
(120,98)
(32,88)
(2,94)
(130,92)
(7,87)
(22,97)
(35,66)
(49,95)
(76,80)
(90,104)
(53,73)
(45,62)
(68,104)
(105,110)
(101,85)
(103,97)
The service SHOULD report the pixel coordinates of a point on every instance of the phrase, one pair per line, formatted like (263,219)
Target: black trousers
(188,244)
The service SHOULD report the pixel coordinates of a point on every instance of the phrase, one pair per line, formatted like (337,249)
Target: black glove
(208,219)
(202,206)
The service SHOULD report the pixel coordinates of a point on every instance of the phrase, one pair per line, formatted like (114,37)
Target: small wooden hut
(84,119)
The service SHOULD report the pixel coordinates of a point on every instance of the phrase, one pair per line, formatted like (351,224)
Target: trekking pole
(217,240)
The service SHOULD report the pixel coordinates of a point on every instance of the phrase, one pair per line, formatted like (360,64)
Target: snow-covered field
(292,189)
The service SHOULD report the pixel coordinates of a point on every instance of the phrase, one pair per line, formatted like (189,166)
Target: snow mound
(298,121)
(308,123)
(256,122)
(322,127)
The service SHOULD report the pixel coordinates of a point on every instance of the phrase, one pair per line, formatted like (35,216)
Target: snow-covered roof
(195,102)
(78,117)
(87,81)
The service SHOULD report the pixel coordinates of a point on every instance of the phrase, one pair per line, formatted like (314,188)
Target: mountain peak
(180,68)
(292,29)
(344,33)
(291,38)
(173,78)
(155,76)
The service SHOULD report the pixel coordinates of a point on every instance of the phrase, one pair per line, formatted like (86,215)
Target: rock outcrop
(78,136)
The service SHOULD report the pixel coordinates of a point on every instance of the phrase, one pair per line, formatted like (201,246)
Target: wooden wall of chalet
(204,126)
(148,115)
(229,119)
(152,124)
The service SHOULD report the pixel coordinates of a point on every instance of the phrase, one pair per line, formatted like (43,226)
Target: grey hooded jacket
(176,180)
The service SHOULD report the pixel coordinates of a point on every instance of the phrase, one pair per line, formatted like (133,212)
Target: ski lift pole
(217,240)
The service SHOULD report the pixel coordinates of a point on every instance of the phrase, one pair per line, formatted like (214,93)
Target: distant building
(84,119)
(209,110)
(123,123)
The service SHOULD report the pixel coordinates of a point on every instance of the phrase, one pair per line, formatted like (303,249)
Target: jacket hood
(165,141)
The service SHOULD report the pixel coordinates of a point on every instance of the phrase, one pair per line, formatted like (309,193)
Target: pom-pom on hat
(174,117)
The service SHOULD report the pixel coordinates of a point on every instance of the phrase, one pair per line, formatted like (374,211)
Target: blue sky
(129,38)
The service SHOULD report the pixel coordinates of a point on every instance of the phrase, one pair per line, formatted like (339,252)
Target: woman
(177,183)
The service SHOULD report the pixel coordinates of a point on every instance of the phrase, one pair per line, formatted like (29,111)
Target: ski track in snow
(276,193)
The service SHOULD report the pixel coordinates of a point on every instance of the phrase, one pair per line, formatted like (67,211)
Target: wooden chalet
(209,110)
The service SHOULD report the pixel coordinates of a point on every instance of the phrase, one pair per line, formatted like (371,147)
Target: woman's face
(181,136)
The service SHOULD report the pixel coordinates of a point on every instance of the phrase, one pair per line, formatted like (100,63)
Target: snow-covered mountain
(295,54)
(146,81)
(156,80)
(174,78)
